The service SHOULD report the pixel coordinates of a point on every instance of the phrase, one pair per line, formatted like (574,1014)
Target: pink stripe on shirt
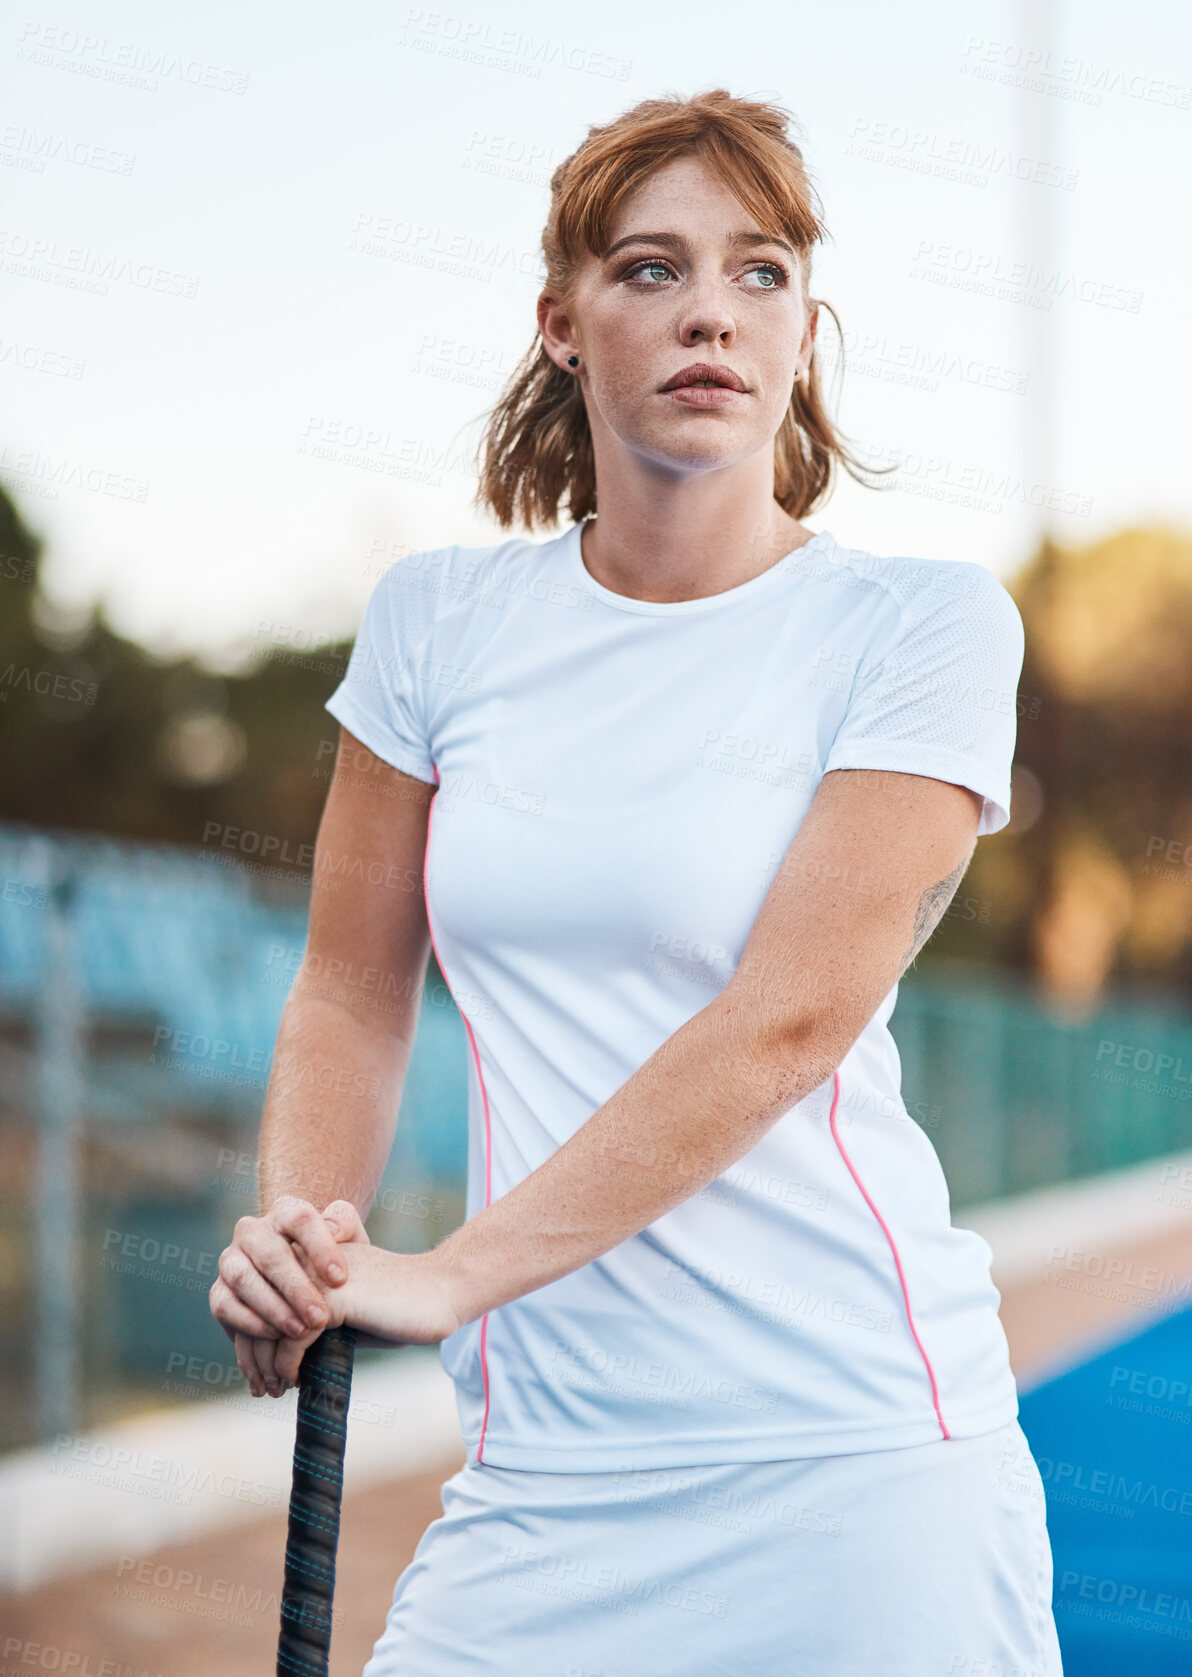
(906,1299)
(488,1149)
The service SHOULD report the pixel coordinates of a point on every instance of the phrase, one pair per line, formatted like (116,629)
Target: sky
(263,271)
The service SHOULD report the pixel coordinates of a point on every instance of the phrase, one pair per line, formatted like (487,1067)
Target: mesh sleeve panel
(937,693)
(380,699)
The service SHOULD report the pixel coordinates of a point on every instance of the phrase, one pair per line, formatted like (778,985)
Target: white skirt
(928,1561)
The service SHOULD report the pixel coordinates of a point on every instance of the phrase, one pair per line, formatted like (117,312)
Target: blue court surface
(1113,1440)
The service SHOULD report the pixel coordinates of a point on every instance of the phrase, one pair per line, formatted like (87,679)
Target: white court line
(131,1488)
(1095,1343)
(1097,1214)
(1095,1217)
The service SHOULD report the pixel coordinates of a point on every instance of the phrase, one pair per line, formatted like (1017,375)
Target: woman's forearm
(700,1102)
(334,1090)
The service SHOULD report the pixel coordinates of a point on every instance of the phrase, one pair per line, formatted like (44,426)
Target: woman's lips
(704,395)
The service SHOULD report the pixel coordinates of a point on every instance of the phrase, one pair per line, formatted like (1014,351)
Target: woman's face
(689,278)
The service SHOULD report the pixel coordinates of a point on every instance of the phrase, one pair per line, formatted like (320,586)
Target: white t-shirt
(618,781)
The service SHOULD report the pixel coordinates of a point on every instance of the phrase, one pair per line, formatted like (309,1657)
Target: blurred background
(263,276)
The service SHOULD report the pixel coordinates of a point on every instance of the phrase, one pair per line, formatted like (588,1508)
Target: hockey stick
(324,1391)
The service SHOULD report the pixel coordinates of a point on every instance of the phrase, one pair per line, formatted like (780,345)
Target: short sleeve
(379,699)
(937,693)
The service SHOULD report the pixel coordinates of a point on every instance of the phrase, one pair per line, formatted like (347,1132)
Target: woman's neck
(686,546)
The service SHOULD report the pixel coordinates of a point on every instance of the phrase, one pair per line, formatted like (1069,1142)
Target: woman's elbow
(792,1040)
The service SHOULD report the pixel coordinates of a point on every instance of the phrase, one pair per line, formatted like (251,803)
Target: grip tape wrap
(324,1392)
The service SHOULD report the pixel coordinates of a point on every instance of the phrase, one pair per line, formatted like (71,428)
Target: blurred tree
(100,735)
(1092,882)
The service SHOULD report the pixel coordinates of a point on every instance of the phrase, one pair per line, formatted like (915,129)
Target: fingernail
(316,1314)
(335,1271)
(295,1328)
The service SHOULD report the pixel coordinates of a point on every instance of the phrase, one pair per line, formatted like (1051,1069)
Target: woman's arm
(340,1059)
(873,867)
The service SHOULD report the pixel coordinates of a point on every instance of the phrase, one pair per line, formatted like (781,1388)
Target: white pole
(59,1079)
(1035,237)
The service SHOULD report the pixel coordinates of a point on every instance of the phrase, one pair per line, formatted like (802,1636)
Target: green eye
(656,270)
(653,268)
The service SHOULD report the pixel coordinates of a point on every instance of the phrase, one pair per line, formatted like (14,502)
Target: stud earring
(573,360)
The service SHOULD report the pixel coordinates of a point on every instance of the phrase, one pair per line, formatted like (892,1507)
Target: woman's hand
(261,1290)
(392,1298)
(311,1241)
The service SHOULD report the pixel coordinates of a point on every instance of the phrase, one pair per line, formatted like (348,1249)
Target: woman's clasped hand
(288,1276)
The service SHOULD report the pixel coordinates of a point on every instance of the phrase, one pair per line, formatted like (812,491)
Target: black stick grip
(324,1392)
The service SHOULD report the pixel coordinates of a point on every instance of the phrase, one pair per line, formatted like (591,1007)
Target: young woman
(677,795)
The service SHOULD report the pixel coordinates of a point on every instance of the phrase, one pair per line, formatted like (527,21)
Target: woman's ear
(555,327)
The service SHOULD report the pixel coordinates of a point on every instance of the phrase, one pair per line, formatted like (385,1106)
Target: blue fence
(141,989)
(183,969)
(1015,1095)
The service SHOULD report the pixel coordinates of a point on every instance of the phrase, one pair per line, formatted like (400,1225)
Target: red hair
(537,445)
